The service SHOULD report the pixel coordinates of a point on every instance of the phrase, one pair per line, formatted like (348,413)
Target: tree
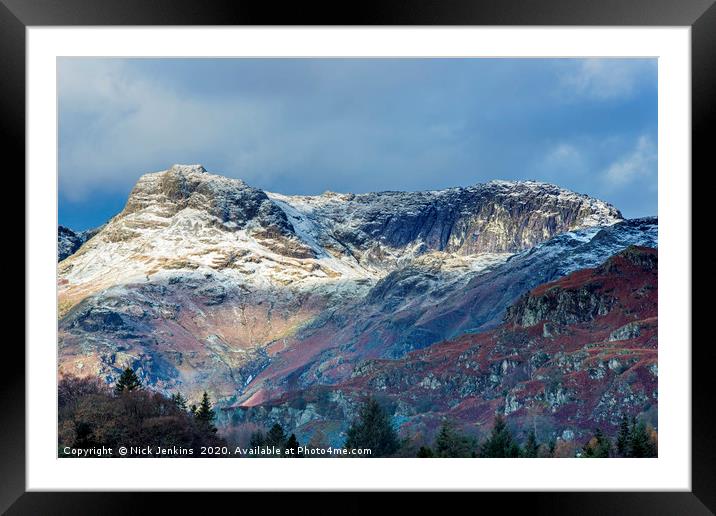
(179,401)
(91,417)
(84,436)
(450,443)
(205,414)
(292,447)
(531,446)
(551,447)
(425,452)
(564,448)
(128,381)
(276,437)
(639,441)
(500,443)
(598,447)
(623,438)
(258,439)
(373,430)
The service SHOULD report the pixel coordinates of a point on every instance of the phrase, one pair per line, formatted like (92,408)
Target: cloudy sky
(304,126)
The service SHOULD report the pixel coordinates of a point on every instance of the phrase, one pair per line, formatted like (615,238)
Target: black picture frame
(700,15)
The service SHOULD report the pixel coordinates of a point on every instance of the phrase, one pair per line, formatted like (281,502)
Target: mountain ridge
(203,281)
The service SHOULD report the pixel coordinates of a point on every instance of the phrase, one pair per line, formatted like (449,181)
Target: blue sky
(304,126)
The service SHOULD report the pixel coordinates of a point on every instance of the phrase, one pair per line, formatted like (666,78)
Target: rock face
(546,366)
(69,241)
(496,217)
(204,282)
(229,202)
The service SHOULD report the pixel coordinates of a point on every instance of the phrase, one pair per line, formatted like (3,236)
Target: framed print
(442,249)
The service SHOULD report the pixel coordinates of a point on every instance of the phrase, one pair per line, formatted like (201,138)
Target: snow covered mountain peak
(186,221)
(188,169)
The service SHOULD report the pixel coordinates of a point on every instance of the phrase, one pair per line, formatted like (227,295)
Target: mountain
(420,304)
(570,355)
(204,282)
(69,241)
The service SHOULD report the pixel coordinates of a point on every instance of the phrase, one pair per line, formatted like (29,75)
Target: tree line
(91,415)
(373,429)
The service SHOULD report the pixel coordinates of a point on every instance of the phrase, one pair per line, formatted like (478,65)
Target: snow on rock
(222,276)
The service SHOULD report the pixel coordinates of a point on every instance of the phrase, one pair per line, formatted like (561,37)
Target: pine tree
(425,452)
(623,438)
(258,439)
(604,445)
(373,430)
(531,446)
(179,401)
(588,450)
(552,446)
(449,443)
(205,414)
(500,443)
(84,436)
(128,381)
(276,437)
(292,447)
(639,441)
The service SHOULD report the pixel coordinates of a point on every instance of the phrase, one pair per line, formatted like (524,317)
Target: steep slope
(202,281)
(69,241)
(571,355)
(496,217)
(424,303)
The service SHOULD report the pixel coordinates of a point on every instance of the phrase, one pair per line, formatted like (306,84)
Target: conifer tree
(623,438)
(531,446)
(205,414)
(292,447)
(639,441)
(373,429)
(552,446)
(276,437)
(179,401)
(500,443)
(128,381)
(425,452)
(588,450)
(449,443)
(604,445)
(258,439)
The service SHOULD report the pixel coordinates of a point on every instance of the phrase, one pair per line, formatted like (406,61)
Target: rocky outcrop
(561,306)
(231,201)
(68,241)
(561,303)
